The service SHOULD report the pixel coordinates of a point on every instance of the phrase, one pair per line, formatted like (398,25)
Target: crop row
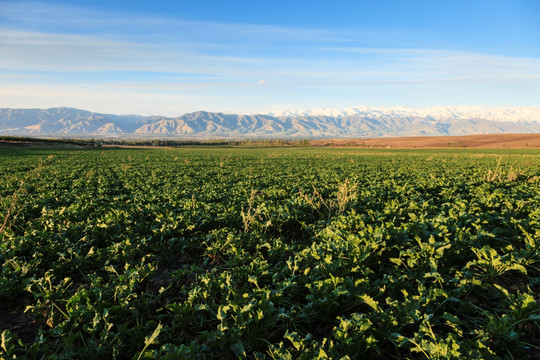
(270,254)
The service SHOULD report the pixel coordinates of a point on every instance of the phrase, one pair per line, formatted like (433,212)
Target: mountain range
(359,121)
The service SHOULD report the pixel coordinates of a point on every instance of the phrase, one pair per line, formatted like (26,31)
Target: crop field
(269,253)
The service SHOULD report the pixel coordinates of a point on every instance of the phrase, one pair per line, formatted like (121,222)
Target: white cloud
(175,64)
(45,15)
(61,52)
(84,53)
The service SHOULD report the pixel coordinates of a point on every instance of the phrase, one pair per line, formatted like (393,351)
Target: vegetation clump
(269,253)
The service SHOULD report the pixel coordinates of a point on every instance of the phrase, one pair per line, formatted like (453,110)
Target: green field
(269,253)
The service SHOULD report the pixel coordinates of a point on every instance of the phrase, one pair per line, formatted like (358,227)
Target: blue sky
(172,57)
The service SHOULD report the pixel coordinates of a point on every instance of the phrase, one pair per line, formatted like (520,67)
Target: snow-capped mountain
(514,114)
(359,122)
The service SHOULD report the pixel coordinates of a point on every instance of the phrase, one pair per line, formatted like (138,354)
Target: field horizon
(490,141)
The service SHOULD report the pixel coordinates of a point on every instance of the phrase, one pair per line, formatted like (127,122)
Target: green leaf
(453,319)
(153,337)
(322,354)
(238,349)
(370,301)
(222,312)
(149,340)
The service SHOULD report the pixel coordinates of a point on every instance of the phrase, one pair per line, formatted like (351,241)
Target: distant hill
(326,123)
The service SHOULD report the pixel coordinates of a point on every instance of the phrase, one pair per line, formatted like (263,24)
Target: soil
(497,141)
(18,322)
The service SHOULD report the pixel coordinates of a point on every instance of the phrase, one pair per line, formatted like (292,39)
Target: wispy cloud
(81,19)
(64,52)
(48,48)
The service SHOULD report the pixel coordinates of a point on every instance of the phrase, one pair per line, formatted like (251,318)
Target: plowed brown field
(498,141)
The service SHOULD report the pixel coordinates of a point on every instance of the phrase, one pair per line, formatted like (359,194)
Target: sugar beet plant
(269,254)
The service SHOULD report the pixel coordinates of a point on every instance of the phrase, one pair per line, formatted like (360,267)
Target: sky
(173,57)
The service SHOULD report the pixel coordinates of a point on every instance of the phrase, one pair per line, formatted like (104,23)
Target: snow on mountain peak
(513,114)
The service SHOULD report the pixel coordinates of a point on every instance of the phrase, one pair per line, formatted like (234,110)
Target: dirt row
(497,141)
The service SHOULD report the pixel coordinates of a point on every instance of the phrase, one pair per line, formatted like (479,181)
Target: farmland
(270,253)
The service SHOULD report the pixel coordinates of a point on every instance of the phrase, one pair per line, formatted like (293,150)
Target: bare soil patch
(17,321)
(496,141)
